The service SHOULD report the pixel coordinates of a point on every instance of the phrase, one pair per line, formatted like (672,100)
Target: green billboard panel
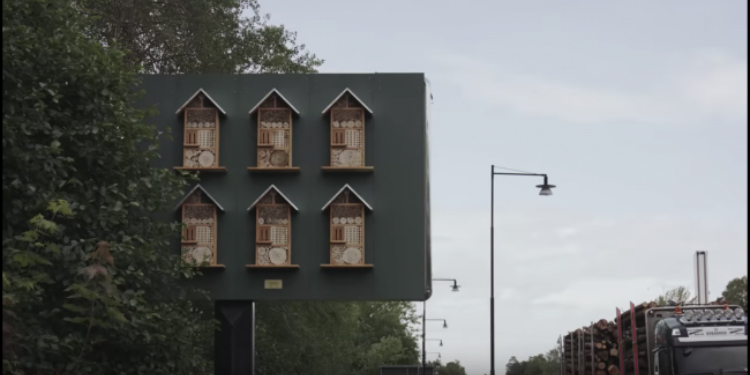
(312,186)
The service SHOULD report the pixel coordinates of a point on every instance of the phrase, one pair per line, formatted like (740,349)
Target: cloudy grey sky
(637,111)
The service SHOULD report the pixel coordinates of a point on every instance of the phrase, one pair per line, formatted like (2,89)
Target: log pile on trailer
(597,350)
(592,350)
(630,351)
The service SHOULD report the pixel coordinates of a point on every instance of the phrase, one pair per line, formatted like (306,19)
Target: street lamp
(454,288)
(546,190)
(438,354)
(441,341)
(445,322)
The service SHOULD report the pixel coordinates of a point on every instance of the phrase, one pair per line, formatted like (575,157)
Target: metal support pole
(572,354)
(592,348)
(424,333)
(492,272)
(562,355)
(580,353)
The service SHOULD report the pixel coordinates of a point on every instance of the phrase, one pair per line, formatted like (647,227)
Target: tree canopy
(540,364)
(736,292)
(88,281)
(197,36)
(449,368)
(680,295)
(333,337)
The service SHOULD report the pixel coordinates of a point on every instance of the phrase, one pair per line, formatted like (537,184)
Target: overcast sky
(638,112)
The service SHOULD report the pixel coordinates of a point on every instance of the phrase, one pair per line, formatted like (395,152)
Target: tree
(452,368)
(540,364)
(436,366)
(90,285)
(680,295)
(333,337)
(514,367)
(736,292)
(198,36)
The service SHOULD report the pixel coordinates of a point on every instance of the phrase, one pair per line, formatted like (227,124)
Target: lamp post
(546,190)
(454,288)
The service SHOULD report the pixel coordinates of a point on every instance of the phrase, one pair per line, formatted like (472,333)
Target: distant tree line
(540,364)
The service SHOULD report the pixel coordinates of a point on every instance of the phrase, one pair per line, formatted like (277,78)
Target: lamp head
(455,287)
(441,342)
(445,324)
(545,188)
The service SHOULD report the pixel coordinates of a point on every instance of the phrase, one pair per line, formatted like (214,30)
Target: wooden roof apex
(198,186)
(274,91)
(350,92)
(274,188)
(179,110)
(348,188)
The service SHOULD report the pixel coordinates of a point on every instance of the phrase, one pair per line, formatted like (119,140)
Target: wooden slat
(263,235)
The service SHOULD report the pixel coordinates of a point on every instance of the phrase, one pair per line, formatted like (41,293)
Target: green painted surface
(396,231)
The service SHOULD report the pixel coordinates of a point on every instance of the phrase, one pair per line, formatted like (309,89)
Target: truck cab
(697,340)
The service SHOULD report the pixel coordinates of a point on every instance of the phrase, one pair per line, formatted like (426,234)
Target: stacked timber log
(641,351)
(592,350)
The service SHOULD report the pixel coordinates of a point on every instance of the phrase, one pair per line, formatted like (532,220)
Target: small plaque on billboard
(273,284)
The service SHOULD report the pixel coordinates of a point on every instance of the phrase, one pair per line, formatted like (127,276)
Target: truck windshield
(712,360)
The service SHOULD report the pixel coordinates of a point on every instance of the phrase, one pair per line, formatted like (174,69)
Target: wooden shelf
(273,169)
(195,145)
(263,242)
(349,169)
(211,266)
(273,266)
(338,145)
(266,145)
(188,242)
(199,169)
(346,266)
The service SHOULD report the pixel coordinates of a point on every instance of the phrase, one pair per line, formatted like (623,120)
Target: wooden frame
(273,230)
(275,127)
(200,221)
(347,127)
(346,230)
(201,130)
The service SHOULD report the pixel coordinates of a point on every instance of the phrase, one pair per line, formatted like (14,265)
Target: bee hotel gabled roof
(269,95)
(207,96)
(198,186)
(347,187)
(350,93)
(278,192)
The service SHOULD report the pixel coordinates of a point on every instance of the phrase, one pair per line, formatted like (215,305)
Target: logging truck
(661,340)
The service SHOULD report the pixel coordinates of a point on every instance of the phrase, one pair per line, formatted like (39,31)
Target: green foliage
(333,337)
(198,36)
(540,364)
(452,368)
(736,292)
(89,283)
(680,294)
